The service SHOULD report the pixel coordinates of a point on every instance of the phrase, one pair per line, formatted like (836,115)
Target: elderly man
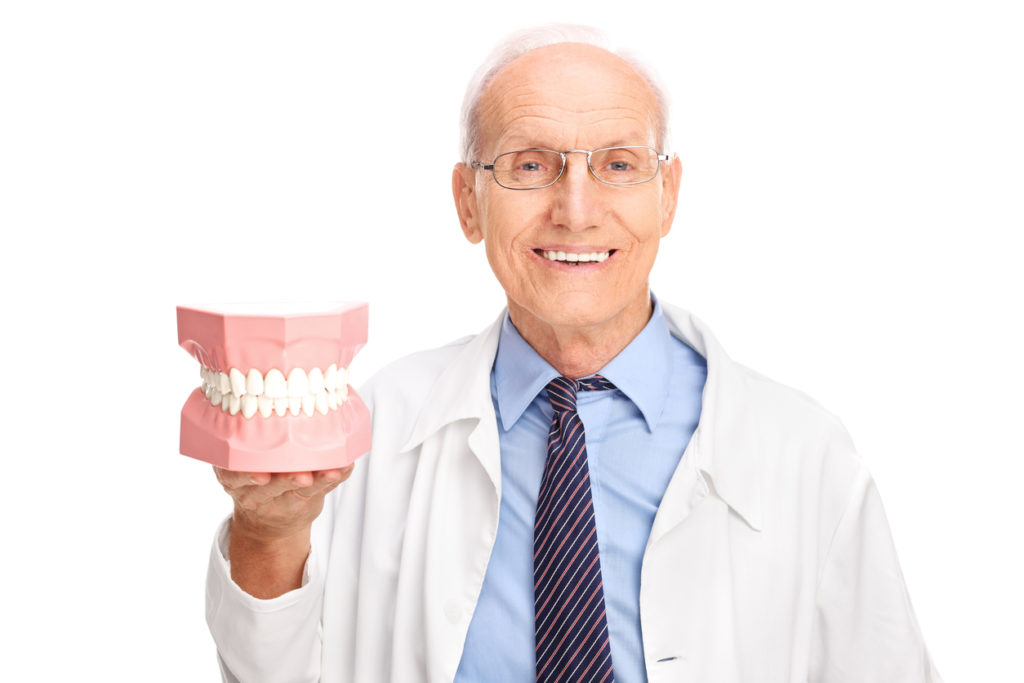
(588,490)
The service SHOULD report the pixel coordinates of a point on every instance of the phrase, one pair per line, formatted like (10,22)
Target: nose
(577,195)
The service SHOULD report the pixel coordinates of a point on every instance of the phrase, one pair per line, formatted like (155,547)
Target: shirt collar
(727,441)
(641,371)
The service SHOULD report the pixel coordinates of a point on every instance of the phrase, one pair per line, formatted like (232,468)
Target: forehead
(567,96)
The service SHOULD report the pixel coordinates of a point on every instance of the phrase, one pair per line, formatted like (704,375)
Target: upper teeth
(573,256)
(248,393)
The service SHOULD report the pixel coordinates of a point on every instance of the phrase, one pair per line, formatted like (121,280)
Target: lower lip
(587,267)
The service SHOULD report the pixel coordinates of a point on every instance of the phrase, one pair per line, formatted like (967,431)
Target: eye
(527,168)
(530,166)
(619,166)
(618,160)
(531,162)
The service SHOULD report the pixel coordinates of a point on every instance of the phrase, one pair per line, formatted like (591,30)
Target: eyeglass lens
(532,168)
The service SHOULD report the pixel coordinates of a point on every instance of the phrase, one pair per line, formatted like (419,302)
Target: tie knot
(562,390)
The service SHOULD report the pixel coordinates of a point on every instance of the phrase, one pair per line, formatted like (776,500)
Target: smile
(574,258)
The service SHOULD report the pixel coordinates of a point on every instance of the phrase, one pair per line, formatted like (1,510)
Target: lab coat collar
(724,446)
(463,391)
(642,371)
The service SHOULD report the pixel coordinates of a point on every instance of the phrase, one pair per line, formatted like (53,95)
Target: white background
(849,224)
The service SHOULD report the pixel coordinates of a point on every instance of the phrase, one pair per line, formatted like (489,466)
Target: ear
(671,174)
(465,196)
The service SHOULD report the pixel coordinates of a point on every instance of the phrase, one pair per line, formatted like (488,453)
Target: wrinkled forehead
(566,96)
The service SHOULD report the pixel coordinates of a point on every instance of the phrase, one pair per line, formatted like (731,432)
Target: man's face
(561,97)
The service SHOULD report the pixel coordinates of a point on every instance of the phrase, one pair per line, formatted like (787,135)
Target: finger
(254,497)
(301,480)
(281,483)
(235,480)
(323,482)
(335,476)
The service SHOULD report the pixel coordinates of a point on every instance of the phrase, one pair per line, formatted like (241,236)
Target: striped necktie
(569,613)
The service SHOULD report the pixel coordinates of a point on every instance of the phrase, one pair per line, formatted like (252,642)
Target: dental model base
(274,394)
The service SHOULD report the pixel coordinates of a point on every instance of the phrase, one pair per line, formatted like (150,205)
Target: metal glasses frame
(490,167)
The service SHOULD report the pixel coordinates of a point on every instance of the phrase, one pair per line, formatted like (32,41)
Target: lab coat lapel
(723,455)
(691,572)
(457,437)
(463,391)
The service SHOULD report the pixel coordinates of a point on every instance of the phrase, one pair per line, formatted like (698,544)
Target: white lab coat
(770,559)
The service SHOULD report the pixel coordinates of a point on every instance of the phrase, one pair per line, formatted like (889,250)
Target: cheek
(644,224)
(508,233)
(501,252)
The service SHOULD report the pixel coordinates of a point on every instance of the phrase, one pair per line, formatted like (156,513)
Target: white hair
(527,40)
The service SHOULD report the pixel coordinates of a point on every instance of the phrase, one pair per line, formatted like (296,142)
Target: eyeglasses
(532,169)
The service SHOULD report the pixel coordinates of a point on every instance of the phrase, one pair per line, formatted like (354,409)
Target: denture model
(274,394)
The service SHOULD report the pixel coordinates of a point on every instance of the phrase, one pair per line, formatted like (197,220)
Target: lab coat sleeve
(265,640)
(865,630)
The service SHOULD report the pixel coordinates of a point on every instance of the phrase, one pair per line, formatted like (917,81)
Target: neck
(580,350)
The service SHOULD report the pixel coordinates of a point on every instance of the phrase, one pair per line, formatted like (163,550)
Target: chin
(577,312)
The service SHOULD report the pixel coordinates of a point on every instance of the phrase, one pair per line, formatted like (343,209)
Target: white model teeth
(237,381)
(248,393)
(280,406)
(275,385)
(316,381)
(321,402)
(249,405)
(254,383)
(573,257)
(266,406)
(298,383)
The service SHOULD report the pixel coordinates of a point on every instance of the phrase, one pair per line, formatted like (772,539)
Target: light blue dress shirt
(636,436)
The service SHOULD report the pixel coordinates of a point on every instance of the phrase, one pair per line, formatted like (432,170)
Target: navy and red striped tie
(571,625)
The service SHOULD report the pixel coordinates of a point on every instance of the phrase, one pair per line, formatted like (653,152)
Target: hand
(270,528)
(269,506)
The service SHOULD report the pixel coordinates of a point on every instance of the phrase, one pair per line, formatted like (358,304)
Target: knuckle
(304,495)
(232,480)
(247,503)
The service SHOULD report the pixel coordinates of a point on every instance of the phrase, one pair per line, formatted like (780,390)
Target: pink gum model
(263,337)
